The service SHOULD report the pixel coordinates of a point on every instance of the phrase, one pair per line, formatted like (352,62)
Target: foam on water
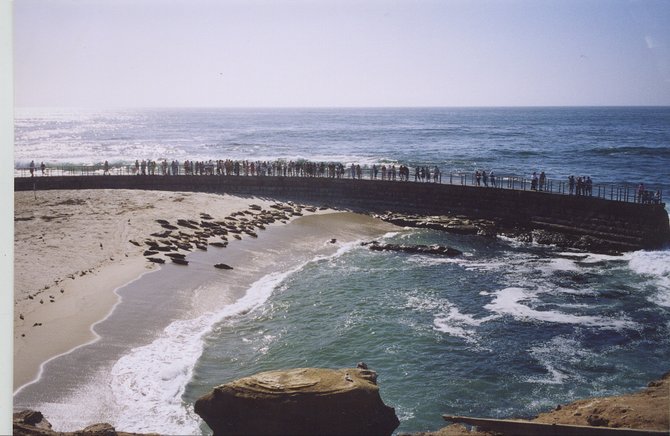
(447,318)
(148,383)
(455,323)
(509,301)
(560,264)
(654,265)
(558,356)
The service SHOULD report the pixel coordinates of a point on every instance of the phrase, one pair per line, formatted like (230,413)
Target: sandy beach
(73,250)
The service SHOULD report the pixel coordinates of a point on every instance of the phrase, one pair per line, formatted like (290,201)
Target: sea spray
(654,266)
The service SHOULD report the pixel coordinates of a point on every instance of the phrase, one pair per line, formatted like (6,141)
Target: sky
(344,53)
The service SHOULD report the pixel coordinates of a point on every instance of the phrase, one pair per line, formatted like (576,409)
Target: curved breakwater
(628,226)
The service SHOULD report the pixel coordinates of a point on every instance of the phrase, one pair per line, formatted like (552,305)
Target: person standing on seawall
(32,168)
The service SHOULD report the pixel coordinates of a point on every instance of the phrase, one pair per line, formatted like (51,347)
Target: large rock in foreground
(303,401)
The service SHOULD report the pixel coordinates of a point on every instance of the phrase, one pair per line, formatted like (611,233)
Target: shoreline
(66,278)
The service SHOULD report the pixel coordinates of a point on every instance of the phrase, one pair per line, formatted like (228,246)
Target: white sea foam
(656,266)
(510,301)
(455,323)
(447,318)
(558,356)
(148,383)
(559,264)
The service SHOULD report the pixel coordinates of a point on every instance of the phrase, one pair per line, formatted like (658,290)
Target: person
(43,167)
(493,178)
(137,167)
(105,168)
(543,180)
(478,177)
(571,184)
(485,178)
(589,186)
(533,182)
(32,168)
(657,197)
(640,192)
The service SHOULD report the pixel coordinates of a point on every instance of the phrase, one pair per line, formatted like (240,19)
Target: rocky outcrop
(560,232)
(439,250)
(648,409)
(33,423)
(303,401)
(452,224)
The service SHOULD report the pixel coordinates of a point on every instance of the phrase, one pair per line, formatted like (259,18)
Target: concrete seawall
(628,226)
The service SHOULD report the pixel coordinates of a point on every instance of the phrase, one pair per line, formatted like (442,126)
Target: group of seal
(186,235)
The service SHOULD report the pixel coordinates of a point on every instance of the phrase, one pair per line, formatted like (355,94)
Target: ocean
(509,329)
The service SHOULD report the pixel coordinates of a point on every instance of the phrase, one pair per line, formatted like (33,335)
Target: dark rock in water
(332,241)
(176,255)
(439,250)
(33,418)
(303,401)
(149,253)
(179,261)
(222,266)
(155,259)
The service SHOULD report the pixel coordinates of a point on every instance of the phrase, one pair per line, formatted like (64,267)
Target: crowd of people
(645,196)
(581,186)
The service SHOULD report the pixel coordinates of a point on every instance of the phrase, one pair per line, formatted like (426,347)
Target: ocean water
(507,330)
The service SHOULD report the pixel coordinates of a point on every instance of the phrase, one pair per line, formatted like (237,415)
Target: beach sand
(72,251)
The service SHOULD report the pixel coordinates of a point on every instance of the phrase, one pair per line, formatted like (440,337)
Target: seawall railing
(623,192)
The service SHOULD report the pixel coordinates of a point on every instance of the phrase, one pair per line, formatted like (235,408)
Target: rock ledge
(302,401)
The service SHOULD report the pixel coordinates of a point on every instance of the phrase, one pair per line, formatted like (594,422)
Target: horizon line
(345,107)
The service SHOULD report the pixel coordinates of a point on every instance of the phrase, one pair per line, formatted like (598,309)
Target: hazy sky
(151,53)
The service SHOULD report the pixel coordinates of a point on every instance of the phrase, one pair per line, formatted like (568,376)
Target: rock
(32,423)
(303,401)
(102,429)
(33,418)
(222,266)
(155,259)
(179,261)
(597,421)
(439,250)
